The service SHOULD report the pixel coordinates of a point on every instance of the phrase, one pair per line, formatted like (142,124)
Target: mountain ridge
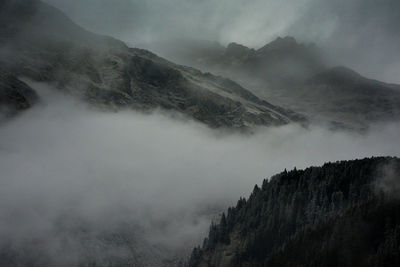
(300,77)
(106,72)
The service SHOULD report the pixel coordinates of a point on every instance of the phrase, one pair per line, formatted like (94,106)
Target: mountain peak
(338,75)
(105,72)
(344,71)
(287,42)
(236,50)
(234,45)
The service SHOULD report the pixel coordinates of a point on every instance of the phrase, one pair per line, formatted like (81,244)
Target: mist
(361,34)
(67,167)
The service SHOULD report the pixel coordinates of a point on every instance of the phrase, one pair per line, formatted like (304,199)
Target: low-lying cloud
(67,166)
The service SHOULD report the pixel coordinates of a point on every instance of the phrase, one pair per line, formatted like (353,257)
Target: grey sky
(362,34)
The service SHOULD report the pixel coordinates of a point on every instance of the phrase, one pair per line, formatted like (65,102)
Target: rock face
(15,95)
(342,214)
(40,42)
(298,77)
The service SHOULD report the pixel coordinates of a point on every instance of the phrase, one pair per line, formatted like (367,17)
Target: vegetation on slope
(341,214)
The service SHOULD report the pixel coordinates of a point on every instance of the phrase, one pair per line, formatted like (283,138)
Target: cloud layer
(166,177)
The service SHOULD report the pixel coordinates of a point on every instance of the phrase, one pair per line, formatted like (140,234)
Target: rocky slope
(39,42)
(281,63)
(15,95)
(346,99)
(299,77)
(341,214)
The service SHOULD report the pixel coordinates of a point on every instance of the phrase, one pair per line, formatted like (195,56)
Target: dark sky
(363,34)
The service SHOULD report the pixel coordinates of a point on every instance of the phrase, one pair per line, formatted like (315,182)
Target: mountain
(346,98)
(283,62)
(299,77)
(39,42)
(15,95)
(341,214)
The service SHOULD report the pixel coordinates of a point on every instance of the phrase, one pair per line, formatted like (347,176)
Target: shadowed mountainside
(15,96)
(39,42)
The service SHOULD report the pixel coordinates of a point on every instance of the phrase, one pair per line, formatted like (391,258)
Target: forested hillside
(341,214)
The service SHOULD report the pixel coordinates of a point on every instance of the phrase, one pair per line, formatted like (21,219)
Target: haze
(361,34)
(64,162)
(82,182)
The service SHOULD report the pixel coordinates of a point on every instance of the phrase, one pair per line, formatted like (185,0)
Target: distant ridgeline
(341,214)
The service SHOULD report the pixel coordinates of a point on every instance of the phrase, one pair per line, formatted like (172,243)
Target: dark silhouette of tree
(334,215)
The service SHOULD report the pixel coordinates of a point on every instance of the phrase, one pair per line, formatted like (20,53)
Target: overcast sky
(64,159)
(363,34)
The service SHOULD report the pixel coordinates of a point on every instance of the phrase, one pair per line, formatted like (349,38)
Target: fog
(68,167)
(362,34)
